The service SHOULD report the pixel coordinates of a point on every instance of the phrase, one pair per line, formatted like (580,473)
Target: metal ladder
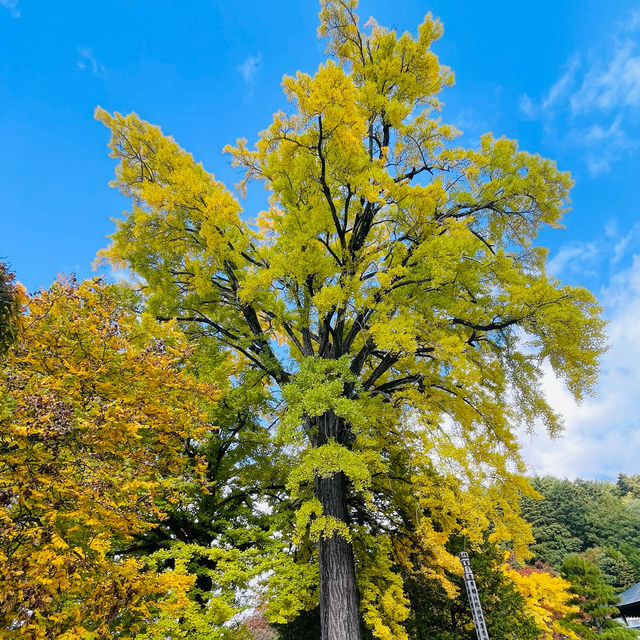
(474,599)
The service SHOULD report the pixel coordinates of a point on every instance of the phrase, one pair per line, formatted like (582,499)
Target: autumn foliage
(380,331)
(547,600)
(96,405)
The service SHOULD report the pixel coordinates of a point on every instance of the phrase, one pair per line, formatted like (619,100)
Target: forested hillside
(600,520)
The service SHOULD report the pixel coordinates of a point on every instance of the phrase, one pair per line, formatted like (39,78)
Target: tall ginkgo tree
(393,297)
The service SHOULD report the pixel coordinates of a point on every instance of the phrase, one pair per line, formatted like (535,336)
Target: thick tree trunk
(339,611)
(339,608)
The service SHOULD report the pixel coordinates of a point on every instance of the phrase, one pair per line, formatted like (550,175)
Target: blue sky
(563,81)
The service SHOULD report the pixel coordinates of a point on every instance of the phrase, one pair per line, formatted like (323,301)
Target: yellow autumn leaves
(96,406)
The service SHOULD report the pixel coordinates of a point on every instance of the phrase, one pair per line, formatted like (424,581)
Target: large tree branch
(358,362)
(325,187)
(235,342)
(409,175)
(398,384)
(388,360)
(491,326)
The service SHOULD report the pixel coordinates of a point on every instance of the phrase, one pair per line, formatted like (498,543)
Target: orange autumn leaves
(96,407)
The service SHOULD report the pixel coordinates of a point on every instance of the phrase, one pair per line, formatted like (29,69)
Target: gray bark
(339,601)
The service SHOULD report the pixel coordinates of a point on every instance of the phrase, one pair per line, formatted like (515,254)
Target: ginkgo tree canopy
(392,294)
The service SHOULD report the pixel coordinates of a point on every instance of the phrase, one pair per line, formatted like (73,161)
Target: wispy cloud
(13,6)
(559,89)
(528,108)
(88,62)
(623,243)
(634,21)
(595,101)
(573,257)
(604,144)
(556,94)
(249,70)
(596,258)
(611,84)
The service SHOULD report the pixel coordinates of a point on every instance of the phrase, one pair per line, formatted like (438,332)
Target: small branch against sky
(13,6)
(88,62)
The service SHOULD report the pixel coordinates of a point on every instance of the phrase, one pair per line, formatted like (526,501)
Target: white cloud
(562,86)
(554,96)
(88,62)
(602,435)
(573,257)
(249,69)
(594,106)
(13,6)
(622,244)
(528,108)
(597,257)
(612,83)
(604,145)
(611,228)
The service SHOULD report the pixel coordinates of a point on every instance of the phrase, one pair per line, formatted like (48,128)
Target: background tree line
(597,519)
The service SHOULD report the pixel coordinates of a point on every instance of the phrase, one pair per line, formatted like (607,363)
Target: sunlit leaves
(96,407)
(547,600)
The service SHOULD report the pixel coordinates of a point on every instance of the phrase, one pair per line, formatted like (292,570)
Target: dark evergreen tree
(597,601)
(558,520)
(616,569)
(573,517)
(628,486)
(608,520)
(9,309)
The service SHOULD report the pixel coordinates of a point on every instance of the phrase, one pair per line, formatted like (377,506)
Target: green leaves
(317,388)
(596,600)
(328,460)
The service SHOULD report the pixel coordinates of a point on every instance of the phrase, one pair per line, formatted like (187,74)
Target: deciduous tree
(97,407)
(547,599)
(393,297)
